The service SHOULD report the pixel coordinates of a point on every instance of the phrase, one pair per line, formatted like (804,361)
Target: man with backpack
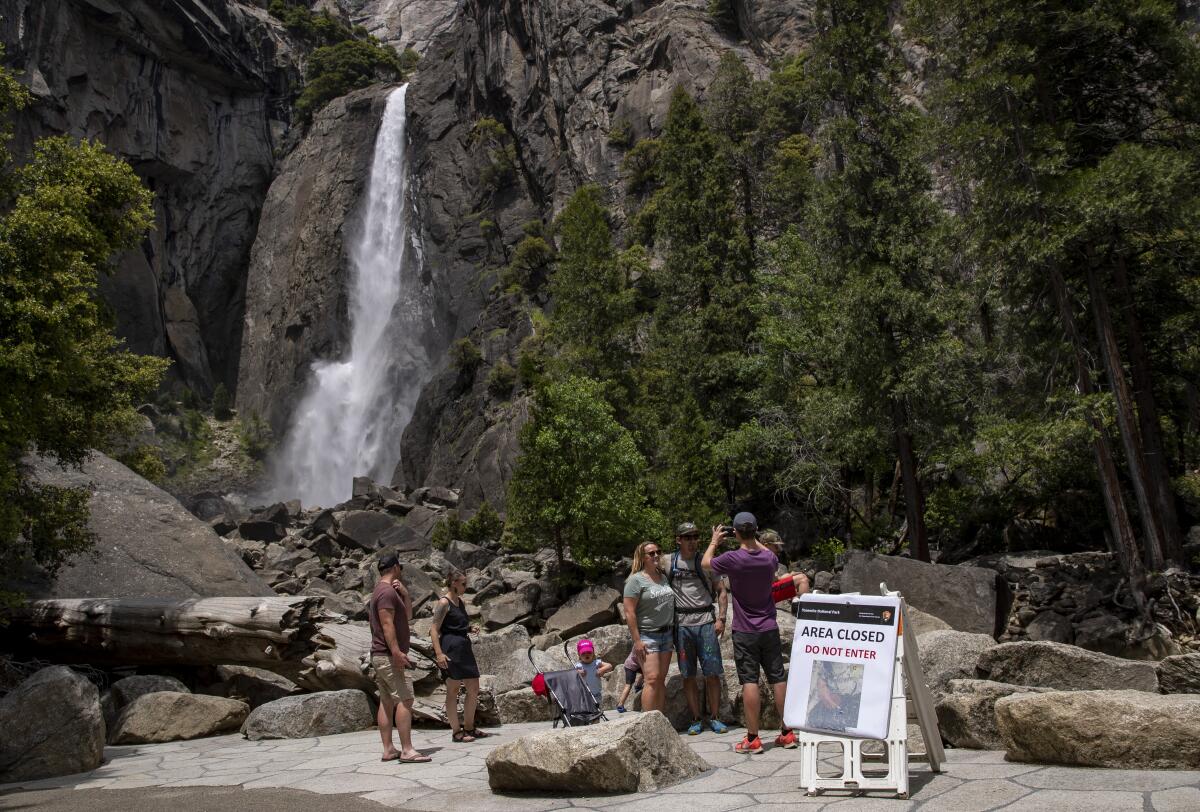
(701,606)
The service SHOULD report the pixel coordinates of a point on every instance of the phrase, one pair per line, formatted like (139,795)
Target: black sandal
(475,733)
(462,736)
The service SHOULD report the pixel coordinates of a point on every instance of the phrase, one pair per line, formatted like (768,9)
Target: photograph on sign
(843,662)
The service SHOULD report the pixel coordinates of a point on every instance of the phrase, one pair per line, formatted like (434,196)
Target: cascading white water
(351,417)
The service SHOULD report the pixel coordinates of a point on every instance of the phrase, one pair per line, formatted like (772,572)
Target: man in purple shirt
(751,571)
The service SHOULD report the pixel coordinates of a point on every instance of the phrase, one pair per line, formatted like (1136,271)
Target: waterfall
(350,419)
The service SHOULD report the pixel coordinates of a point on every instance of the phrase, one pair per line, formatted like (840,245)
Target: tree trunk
(914,497)
(285,635)
(1106,469)
(1158,477)
(1110,354)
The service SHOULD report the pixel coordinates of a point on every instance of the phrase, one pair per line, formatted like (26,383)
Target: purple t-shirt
(750,577)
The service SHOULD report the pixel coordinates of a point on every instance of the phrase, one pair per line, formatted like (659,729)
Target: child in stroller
(567,691)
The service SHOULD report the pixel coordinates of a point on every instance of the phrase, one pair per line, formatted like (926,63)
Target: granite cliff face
(193,93)
(241,285)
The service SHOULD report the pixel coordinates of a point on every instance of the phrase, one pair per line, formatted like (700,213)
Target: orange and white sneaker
(749,745)
(786,740)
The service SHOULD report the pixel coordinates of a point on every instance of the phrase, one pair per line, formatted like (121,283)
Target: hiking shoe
(786,740)
(694,728)
(620,708)
(749,745)
(717,726)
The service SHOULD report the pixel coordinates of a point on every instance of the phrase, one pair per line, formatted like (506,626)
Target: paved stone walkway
(457,779)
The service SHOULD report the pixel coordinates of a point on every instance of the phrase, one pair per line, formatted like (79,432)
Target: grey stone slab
(485,801)
(974,772)
(976,796)
(875,802)
(231,780)
(781,799)
(1066,800)
(713,781)
(716,802)
(281,779)
(398,799)
(957,755)
(1180,799)
(1083,778)
(343,784)
(760,769)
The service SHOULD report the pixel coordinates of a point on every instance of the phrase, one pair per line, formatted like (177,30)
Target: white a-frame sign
(851,662)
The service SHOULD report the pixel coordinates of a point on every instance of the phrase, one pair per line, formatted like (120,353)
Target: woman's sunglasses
(654,554)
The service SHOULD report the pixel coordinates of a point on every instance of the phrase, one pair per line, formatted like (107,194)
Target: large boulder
(168,716)
(1179,674)
(463,556)
(523,705)
(321,714)
(50,724)
(1120,729)
(364,529)
(585,610)
(494,649)
(676,708)
(125,690)
(918,622)
(970,599)
(147,544)
(636,753)
(967,712)
(1069,668)
(948,655)
(511,607)
(254,686)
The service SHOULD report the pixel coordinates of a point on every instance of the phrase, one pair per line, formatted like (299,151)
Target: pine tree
(1070,131)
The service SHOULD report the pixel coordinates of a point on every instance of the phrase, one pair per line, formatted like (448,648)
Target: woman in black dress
(452,650)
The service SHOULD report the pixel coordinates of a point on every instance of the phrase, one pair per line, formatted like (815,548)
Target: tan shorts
(394,685)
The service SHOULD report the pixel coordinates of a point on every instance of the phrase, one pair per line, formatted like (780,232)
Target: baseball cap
(687,529)
(387,561)
(745,521)
(584,646)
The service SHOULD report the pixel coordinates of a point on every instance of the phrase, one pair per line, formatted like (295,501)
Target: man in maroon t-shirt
(756,644)
(389,612)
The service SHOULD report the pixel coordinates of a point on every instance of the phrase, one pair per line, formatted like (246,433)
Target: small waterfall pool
(352,414)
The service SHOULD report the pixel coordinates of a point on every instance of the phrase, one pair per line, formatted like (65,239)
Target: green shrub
(501,380)
(221,403)
(254,435)
(321,28)
(146,461)
(825,553)
(485,525)
(499,154)
(530,265)
(640,166)
(620,135)
(446,531)
(335,70)
(464,355)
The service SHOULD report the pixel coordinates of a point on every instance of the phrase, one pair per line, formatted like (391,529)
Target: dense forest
(887,299)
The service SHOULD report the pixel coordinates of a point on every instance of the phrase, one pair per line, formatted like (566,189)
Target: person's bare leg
(713,686)
(472,702)
(452,703)
(780,691)
(650,684)
(692,692)
(383,718)
(664,664)
(625,692)
(751,705)
(404,728)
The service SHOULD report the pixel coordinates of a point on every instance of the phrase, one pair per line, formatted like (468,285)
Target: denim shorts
(658,641)
(698,646)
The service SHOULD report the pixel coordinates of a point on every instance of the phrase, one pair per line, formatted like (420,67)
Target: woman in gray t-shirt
(650,613)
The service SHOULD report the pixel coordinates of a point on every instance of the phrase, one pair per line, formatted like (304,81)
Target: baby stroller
(567,691)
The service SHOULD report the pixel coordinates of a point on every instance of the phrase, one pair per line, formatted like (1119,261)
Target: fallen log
(292,636)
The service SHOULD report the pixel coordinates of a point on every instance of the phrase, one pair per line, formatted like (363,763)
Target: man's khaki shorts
(394,685)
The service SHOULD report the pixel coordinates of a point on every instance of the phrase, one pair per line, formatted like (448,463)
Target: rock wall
(193,93)
(559,77)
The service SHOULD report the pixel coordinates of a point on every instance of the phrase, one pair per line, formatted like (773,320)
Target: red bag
(539,686)
(783,590)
